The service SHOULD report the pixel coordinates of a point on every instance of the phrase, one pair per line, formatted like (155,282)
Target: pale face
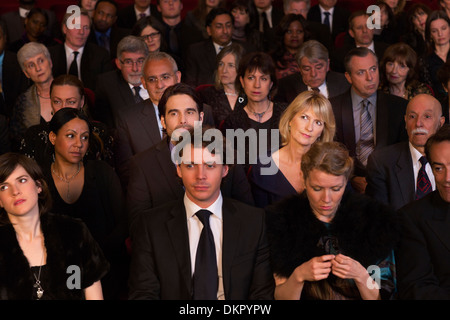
(360,32)
(298,8)
(89,5)
(71,141)
(181,112)
(38,69)
(263,4)
(227,69)
(221,29)
(212,3)
(324,193)
(440,163)
(440,32)
(202,179)
(152,38)
(419,20)
(364,76)
(396,72)
(423,118)
(305,128)
(241,17)
(314,73)
(256,85)
(392,3)
(131,72)
(19,194)
(76,38)
(294,36)
(170,8)
(66,96)
(158,75)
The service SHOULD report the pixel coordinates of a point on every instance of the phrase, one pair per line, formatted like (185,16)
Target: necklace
(230,94)
(67,180)
(260,115)
(42,96)
(37,284)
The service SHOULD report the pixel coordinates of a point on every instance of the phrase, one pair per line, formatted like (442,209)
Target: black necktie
(423,183)
(265,24)
(173,40)
(206,279)
(73,70)
(104,41)
(327,19)
(315,90)
(137,97)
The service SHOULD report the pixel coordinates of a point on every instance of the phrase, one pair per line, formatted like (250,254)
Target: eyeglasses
(163,78)
(130,63)
(153,35)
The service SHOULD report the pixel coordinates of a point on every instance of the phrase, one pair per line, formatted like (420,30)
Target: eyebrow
(187,109)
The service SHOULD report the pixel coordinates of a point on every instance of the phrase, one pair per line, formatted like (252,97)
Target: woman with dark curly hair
(290,34)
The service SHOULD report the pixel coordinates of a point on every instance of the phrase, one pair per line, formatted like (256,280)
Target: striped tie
(366,144)
(423,183)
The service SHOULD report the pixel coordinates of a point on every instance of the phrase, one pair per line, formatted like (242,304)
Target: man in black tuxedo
(267,18)
(423,257)
(153,179)
(392,171)
(315,74)
(201,57)
(359,35)
(203,246)
(128,16)
(337,20)
(104,31)
(115,90)
(366,118)
(91,60)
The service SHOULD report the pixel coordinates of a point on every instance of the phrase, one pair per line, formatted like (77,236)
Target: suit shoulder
(390,151)
(244,210)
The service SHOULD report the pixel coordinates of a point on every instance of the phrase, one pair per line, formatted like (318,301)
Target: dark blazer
(340,19)
(126,17)
(154,181)
(200,63)
(14,82)
(94,61)
(116,35)
(390,123)
(390,175)
(161,263)
(268,36)
(112,96)
(289,87)
(423,257)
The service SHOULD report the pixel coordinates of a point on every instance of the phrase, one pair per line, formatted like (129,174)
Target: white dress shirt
(322,88)
(69,58)
(415,156)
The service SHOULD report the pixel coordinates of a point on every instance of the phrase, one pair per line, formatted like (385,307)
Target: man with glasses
(121,88)
(139,125)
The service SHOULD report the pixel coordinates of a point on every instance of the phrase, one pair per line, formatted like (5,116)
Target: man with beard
(115,90)
(393,171)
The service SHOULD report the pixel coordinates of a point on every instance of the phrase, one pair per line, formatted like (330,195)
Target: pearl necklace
(67,180)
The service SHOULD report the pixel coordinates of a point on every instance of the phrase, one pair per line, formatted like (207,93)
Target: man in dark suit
(392,171)
(267,18)
(115,90)
(168,258)
(153,179)
(128,16)
(91,59)
(201,57)
(104,31)
(359,35)
(366,118)
(423,257)
(337,21)
(315,74)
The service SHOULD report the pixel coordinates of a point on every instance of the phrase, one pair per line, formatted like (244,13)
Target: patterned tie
(206,279)
(73,70)
(137,96)
(104,41)
(366,143)
(327,19)
(423,183)
(315,90)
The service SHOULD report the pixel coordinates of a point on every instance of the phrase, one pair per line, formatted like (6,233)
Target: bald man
(392,171)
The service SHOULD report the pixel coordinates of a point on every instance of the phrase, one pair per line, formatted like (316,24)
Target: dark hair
(400,52)
(179,88)
(37,10)
(151,21)
(257,60)
(443,74)
(355,14)
(237,51)
(8,163)
(68,80)
(443,134)
(217,12)
(357,52)
(434,15)
(412,11)
(109,1)
(200,11)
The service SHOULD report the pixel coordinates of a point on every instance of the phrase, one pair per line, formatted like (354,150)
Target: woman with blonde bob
(309,118)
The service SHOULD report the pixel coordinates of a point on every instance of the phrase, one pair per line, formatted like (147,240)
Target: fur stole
(366,230)
(68,242)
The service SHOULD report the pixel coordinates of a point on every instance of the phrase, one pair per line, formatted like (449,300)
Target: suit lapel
(348,123)
(382,120)
(149,122)
(177,229)
(231,231)
(124,90)
(440,221)
(404,174)
(168,168)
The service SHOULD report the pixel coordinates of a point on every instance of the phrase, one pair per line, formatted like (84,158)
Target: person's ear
(52,137)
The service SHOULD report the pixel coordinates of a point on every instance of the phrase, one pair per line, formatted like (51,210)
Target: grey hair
(286,4)
(313,50)
(159,55)
(30,50)
(132,44)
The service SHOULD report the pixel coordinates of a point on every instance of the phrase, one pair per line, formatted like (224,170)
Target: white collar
(192,208)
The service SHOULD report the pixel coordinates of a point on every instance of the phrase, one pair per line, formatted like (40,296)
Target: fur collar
(366,230)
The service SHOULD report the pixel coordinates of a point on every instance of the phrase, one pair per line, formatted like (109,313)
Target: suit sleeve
(123,152)
(102,111)
(376,180)
(191,74)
